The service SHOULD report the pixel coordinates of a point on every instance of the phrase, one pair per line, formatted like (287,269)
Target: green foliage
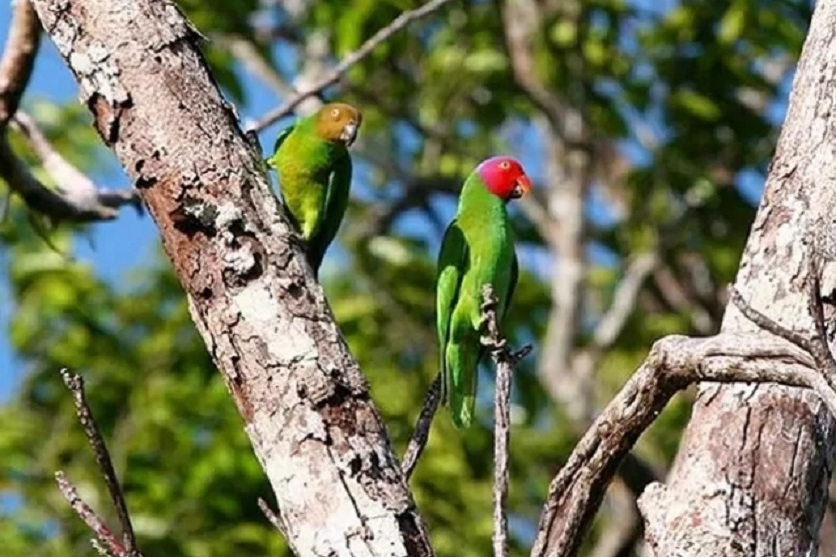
(686,89)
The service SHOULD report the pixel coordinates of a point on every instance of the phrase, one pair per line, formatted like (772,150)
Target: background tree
(649,129)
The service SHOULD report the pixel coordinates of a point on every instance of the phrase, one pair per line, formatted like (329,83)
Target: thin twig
(335,74)
(821,349)
(75,384)
(108,544)
(100,547)
(504,360)
(814,342)
(274,517)
(422,428)
(502,439)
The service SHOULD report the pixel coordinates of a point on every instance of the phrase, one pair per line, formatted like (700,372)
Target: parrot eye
(505,165)
(335,113)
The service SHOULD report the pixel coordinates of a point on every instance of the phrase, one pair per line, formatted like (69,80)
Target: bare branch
(40,198)
(502,439)
(75,384)
(768,324)
(274,517)
(74,186)
(624,300)
(504,360)
(335,74)
(105,541)
(100,547)
(422,428)
(18,58)
(246,52)
(674,363)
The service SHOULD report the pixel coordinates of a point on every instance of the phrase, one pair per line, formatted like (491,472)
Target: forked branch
(106,542)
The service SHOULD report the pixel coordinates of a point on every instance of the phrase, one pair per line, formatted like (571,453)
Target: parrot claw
(493,344)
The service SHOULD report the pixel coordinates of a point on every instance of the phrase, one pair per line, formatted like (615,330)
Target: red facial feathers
(504,177)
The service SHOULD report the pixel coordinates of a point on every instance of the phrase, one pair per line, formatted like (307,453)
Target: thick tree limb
(107,541)
(365,49)
(674,363)
(263,317)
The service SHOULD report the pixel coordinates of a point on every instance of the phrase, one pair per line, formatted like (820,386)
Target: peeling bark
(752,472)
(264,319)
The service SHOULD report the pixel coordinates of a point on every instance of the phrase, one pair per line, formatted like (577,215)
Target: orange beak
(522,185)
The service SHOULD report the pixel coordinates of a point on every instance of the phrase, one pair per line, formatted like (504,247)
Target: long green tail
(462,373)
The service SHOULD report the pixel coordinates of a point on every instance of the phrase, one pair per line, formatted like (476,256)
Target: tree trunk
(753,468)
(264,319)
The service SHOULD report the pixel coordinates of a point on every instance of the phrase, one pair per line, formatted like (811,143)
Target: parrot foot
(491,337)
(493,344)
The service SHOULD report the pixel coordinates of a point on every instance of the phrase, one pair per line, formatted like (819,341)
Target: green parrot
(477,248)
(314,168)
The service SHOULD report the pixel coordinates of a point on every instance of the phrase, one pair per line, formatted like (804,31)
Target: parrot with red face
(314,169)
(477,248)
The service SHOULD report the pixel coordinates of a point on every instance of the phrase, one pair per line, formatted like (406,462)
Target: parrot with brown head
(314,167)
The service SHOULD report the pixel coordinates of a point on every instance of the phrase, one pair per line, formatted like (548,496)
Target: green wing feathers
(452,258)
(272,162)
(314,181)
(458,379)
(336,202)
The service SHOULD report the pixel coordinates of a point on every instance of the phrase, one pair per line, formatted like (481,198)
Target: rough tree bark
(752,471)
(264,319)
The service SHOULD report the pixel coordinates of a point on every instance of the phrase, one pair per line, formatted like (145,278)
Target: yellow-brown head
(338,122)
